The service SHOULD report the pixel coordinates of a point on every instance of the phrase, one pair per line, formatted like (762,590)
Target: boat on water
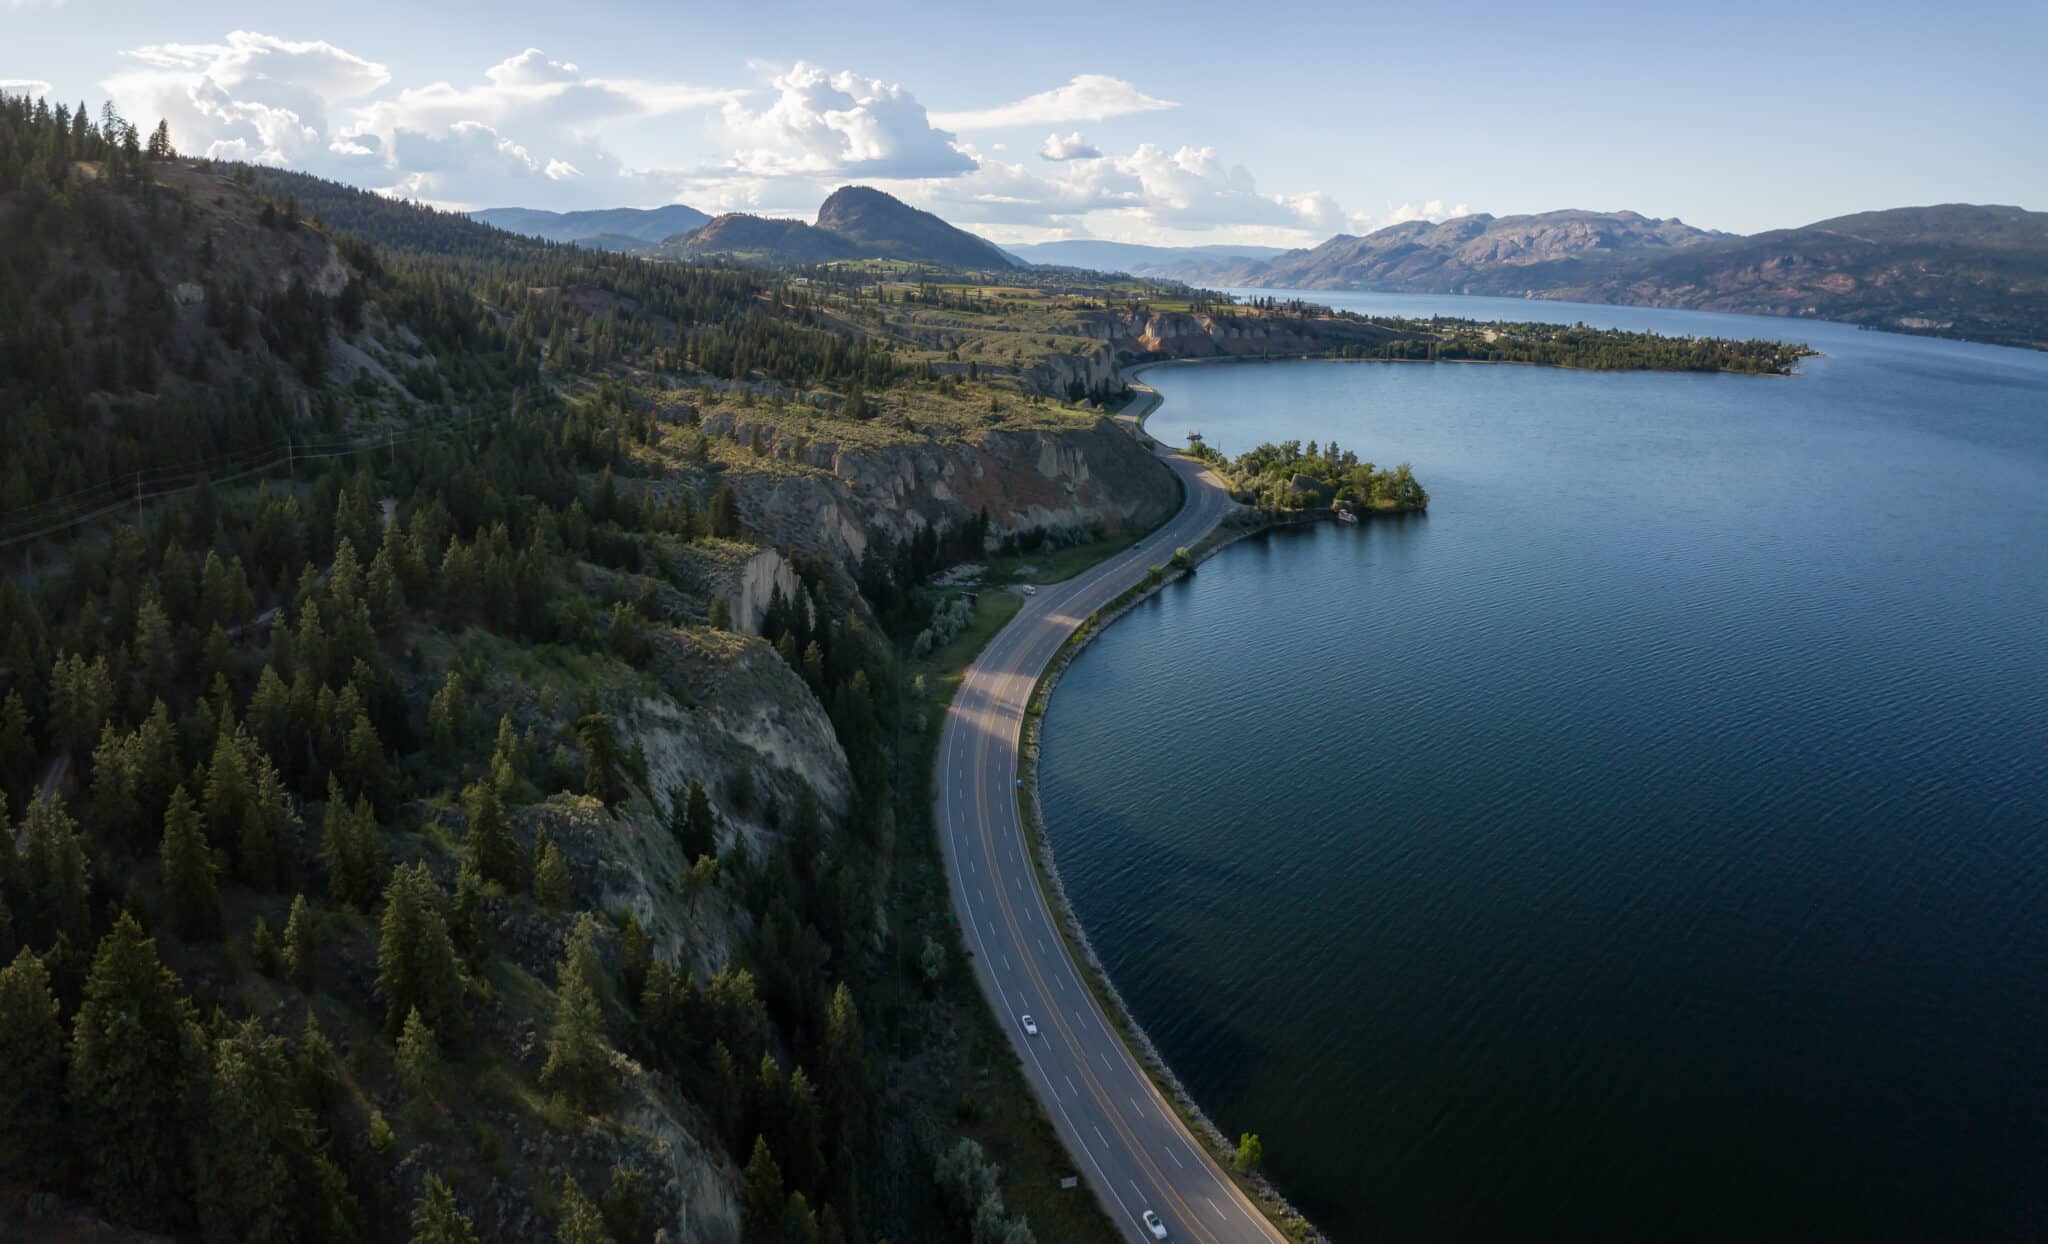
(1344,515)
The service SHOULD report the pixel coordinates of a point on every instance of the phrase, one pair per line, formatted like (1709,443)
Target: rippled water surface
(1651,841)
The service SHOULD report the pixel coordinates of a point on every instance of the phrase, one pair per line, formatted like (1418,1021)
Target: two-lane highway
(1131,1147)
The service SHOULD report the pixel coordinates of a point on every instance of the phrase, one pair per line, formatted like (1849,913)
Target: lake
(1650,841)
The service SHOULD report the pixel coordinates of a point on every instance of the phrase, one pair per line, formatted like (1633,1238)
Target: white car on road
(1030,1026)
(1156,1227)
(1028,590)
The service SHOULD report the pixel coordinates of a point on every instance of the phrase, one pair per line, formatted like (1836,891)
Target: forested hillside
(425,810)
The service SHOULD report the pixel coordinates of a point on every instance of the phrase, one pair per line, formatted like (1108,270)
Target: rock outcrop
(1090,474)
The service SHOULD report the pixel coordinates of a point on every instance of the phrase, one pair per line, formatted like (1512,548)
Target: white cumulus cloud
(839,125)
(527,129)
(1066,147)
(34,88)
(1088,97)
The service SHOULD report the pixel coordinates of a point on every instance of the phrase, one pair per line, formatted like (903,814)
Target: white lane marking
(1041,944)
(1135,1106)
(1070,1085)
(1006,964)
(1213,1207)
(1176,1158)
(1059,984)
(1098,1133)
(1105,1059)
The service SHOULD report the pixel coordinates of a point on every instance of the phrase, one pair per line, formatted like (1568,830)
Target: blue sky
(1165,123)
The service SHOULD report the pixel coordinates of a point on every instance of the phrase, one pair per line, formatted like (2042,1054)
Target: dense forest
(289,470)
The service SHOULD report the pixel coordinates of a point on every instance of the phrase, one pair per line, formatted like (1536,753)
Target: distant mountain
(1954,270)
(759,240)
(854,223)
(880,225)
(615,228)
(1183,263)
(1479,254)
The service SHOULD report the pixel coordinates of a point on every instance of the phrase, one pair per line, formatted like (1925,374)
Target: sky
(1275,124)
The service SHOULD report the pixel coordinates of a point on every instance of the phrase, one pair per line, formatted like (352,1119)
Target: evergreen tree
(191,890)
(254,1142)
(579,1052)
(761,1195)
(550,873)
(263,948)
(419,1060)
(437,1219)
(693,822)
(638,952)
(301,949)
(34,1138)
(469,924)
(134,1048)
(416,965)
(490,840)
(628,1211)
(17,748)
(581,1221)
(601,773)
(351,849)
(55,877)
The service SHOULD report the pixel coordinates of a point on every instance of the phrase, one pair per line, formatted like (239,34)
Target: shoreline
(1235,527)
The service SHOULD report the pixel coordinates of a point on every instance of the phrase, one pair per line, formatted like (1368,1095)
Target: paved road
(1129,1145)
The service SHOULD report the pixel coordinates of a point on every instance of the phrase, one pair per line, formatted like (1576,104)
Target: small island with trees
(1288,477)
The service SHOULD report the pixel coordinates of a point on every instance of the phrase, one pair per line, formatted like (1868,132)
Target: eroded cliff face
(1091,473)
(706,704)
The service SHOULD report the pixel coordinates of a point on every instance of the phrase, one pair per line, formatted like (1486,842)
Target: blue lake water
(1651,841)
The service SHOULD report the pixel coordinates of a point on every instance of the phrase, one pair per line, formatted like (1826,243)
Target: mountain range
(1959,270)
(612,229)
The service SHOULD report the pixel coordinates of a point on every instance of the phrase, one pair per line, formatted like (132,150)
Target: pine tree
(250,1130)
(17,748)
(693,822)
(34,1139)
(416,965)
(56,876)
(352,850)
(134,1049)
(313,1078)
(419,1060)
(579,1053)
(638,952)
(263,948)
(490,839)
(550,873)
(437,1219)
(301,949)
(581,1221)
(469,924)
(601,776)
(191,889)
(628,1210)
(761,1195)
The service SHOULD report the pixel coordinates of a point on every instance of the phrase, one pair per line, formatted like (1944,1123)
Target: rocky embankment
(1088,474)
